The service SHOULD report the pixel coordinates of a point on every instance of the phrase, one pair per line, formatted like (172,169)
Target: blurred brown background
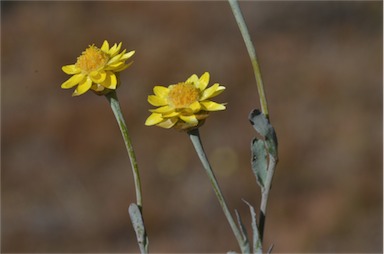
(66,178)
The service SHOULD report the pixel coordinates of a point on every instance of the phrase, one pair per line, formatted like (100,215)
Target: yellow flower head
(96,69)
(184,105)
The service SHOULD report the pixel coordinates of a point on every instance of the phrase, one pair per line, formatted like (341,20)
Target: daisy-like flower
(184,105)
(97,69)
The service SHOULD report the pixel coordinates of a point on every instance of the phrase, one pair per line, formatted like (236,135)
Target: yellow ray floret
(96,69)
(184,105)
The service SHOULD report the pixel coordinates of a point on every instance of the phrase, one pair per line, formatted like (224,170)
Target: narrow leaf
(257,245)
(270,249)
(243,232)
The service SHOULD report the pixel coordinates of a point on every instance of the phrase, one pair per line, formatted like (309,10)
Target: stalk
(115,105)
(196,141)
(252,54)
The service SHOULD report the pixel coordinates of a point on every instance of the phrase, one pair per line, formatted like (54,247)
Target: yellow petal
(128,55)
(115,66)
(157,101)
(123,67)
(110,81)
(190,119)
(98,76)
(168,123)
(161,91)
(83,87)
(212,106)
(171,114)
(218,91)
(72,81)
(163,110)
(209,92)
(195,107)
(105,46)
(192,79)
(153,119)
(203,81)
(70,69)
(115,59)
(213,91)
(114,49)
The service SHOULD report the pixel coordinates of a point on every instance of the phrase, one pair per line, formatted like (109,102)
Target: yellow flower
(96,69)
(184,105)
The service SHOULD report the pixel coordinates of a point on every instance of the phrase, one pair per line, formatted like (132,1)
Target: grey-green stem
(196,141)
(114,103)
(252,54)
(265,195)
(263,102)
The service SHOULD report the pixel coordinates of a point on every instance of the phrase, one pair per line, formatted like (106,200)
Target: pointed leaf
(243,232)
(257,245)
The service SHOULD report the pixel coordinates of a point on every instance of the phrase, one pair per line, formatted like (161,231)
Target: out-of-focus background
(66,180)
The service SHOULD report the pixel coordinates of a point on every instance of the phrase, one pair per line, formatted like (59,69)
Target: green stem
(196,141)
(114,103)
(264,108)
(252,54)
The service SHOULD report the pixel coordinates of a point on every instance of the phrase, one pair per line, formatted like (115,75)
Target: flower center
(92,59)
(182,95)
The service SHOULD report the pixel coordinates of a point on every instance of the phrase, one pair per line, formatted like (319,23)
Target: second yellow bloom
(184,105)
